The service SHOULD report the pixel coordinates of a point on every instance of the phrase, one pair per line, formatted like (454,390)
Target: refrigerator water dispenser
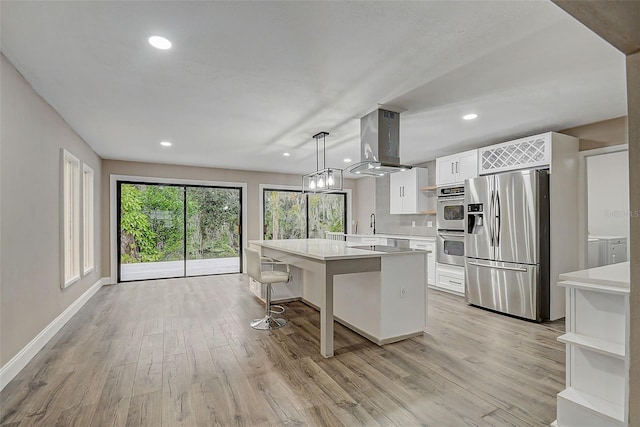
(475,218)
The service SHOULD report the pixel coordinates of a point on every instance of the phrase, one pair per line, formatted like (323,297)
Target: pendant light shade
(325,180)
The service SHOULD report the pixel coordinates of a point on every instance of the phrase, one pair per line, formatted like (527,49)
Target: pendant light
(325,180)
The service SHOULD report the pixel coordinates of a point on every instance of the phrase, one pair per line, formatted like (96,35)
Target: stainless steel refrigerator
(507,243)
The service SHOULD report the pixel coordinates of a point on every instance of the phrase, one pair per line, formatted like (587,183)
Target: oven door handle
(497,267)
(447,199)
(461,235)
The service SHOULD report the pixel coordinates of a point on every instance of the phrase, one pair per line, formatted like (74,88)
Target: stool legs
(268,321)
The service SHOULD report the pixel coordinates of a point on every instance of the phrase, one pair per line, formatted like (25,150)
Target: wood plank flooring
(181,353)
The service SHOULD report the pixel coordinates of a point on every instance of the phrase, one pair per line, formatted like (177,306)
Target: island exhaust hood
(379,144)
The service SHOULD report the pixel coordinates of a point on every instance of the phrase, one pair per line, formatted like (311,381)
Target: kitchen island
(380,295)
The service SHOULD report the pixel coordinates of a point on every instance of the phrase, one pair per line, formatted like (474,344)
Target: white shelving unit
(597,342)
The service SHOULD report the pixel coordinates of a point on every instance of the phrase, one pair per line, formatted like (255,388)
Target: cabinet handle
(457,167)
(524,270)
(454,282)
(452,168)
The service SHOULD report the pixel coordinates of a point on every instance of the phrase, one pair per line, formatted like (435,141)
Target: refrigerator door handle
(491,222)
(498,213)
(524,270)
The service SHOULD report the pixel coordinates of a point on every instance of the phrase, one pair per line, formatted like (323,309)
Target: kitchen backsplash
(403,224)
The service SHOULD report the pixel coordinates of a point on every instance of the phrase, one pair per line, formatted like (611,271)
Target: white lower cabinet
(450,278)
(365,240)
(597,350)
(431,257)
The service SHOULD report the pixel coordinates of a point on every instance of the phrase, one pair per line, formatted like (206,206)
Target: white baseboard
(20,360)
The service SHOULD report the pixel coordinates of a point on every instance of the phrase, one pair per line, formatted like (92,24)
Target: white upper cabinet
(456,168)
(404,191)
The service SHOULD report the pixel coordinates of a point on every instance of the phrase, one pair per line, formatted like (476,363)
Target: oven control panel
(450,191)
(474,208)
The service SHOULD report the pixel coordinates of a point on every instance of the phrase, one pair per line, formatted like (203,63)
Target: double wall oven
(450,223)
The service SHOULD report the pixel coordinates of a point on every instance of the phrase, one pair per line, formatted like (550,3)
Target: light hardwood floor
(181,352)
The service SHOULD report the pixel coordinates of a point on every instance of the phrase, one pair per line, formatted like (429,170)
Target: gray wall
(403,224)
(32,136)
(365,200)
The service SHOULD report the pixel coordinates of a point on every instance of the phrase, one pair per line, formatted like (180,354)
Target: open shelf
(428,212)
(429,188)
(593,403)
(605,347)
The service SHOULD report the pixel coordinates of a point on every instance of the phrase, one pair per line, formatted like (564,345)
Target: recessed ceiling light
(286,154)
(381,174)
(165,144)
(357,172)
(347,160)
(159,42)
(470,116)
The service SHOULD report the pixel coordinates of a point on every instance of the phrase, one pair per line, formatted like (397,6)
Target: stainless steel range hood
(379,144)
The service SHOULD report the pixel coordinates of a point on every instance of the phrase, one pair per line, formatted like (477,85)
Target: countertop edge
(614,276)
(365,254)
(394,236)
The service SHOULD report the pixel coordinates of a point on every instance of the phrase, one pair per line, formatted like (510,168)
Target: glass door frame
(115,190)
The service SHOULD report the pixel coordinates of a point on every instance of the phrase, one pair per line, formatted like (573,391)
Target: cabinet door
(617,253)
(410,191)
(431,258)
(467,166)
(431,264)
(396,182)
(446,170)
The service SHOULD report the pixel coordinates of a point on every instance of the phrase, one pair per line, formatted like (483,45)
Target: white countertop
(323,249)
(612,276)
(394,236)
(607,237)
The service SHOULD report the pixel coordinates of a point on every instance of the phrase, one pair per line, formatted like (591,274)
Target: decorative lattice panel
(519,154)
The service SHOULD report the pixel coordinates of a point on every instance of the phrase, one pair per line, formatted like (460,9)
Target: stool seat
(273,277)
(254,269)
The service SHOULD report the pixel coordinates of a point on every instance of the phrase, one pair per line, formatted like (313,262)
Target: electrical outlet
(429,223)
(403,292)
(413,223)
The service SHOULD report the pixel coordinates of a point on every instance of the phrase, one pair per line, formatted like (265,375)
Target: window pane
(87,187)
(151,231)
(326,213)
(71,220)
(285,215)
(213,230)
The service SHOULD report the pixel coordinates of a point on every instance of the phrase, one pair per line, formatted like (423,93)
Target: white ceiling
(247,81)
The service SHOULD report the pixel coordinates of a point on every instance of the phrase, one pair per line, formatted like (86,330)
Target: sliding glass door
(167,231)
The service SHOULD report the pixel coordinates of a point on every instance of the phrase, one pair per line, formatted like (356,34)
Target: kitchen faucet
(372,223)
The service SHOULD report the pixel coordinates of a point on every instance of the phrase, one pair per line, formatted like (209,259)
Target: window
(326,212)
(87,218)
(71,218)
(291,214)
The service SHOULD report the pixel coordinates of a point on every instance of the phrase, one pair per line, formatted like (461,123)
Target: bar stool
(254,270)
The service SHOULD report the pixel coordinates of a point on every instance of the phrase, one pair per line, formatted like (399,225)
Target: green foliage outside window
(152,223)
(285,214)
